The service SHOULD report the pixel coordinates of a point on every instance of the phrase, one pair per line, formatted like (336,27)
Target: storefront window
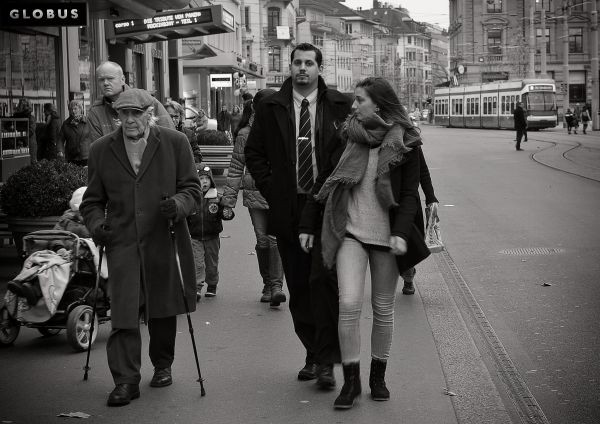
(85,66)
(27,69)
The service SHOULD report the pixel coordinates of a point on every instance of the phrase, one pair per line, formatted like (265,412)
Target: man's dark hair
(307,47)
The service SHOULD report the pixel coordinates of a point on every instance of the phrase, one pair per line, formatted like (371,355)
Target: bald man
(102,119)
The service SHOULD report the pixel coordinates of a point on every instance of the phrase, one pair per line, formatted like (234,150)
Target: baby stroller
(63,267)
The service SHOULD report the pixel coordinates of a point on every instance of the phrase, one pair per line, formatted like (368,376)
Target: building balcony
(284,32)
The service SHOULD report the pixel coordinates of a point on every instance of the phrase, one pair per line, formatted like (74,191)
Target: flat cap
(134,98)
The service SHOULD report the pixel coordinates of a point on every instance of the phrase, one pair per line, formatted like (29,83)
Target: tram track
(577,167)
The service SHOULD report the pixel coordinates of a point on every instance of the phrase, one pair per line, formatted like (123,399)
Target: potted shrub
(34,197)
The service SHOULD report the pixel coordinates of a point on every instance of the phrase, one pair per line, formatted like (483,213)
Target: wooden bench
(217,157)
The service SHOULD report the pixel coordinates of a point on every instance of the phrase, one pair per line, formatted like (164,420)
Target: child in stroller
(72,221)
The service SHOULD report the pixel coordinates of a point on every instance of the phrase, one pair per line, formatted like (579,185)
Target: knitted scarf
(361,137)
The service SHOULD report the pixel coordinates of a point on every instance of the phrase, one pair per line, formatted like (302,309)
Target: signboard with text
(220,80)
(176,19)
(43,14)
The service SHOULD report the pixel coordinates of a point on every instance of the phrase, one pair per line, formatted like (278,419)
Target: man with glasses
(141,181)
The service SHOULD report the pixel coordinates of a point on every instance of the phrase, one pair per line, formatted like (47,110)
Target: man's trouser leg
(162,341)
(124,354)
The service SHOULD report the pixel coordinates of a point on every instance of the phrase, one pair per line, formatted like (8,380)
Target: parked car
(190,115)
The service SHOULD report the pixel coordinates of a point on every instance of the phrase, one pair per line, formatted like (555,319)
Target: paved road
(495,198)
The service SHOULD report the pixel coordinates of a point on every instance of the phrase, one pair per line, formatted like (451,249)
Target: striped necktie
(305,165)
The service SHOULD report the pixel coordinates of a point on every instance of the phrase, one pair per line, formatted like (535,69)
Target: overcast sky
(432,11)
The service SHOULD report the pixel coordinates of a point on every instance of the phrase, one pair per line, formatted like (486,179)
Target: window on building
(575,40)
(494,6)
(247,17)
(494,42)
(539,39)
(409,39)
(577,5)
(273,18)
(348,28)
(318,40)
(542,4)
(275,58)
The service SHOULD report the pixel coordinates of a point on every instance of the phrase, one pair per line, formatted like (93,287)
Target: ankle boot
(377,380)
(351,388)
(262,255)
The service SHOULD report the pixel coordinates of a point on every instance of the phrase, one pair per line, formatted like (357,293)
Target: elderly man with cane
(125,208)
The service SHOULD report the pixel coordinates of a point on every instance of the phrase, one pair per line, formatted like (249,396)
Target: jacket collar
(117,144)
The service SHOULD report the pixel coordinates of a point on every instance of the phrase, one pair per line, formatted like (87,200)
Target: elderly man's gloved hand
(103,235)
(168,208)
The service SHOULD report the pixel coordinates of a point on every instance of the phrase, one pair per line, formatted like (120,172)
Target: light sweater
(367,219)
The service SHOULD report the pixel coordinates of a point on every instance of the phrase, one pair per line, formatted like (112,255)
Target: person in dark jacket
(286,183)
(24,110)
(431,205)
(269,262)
(224,120)
(141,183)
(73,143)
(520,123)
(48,148)
(571,121)
(205,224)
(371,215)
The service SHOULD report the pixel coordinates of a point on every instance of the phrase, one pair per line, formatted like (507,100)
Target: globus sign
(43,14)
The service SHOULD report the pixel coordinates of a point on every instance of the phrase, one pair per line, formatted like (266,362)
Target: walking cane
(90,338)
(187,309)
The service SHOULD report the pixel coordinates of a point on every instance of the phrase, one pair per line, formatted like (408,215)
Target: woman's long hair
(383,95)
(390,109)
(245,119)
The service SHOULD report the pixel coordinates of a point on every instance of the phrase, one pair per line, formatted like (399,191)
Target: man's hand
(398,245)
(168,208)
(306,241)
(102,235)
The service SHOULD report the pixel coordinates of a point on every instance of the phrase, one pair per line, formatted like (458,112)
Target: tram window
(476,106)
(503,104)
(485,105)
(494,106)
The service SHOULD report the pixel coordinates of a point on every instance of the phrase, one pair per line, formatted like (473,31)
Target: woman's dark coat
(271,150)
(140,254)
(73,139)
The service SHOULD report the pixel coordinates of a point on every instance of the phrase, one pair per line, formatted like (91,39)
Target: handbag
(433,233)
(417,250)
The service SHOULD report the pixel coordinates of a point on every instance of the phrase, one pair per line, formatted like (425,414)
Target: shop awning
(183,23)
(201,52)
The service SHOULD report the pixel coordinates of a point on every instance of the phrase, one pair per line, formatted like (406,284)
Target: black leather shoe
(409,288)
(325,376)
(123,394)
(309,372)
(162,377)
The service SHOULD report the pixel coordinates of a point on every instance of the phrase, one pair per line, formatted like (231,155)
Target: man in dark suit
(293,139)
(520,123)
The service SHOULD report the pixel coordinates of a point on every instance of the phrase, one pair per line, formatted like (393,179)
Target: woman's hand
(306,241)
(398,245)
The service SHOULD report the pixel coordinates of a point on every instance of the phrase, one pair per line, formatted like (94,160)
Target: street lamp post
(565,39)
(531,72)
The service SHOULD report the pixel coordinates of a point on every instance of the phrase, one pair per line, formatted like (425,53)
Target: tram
(491,105)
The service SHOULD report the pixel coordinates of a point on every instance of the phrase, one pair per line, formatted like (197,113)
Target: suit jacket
(271,151)
(141,255)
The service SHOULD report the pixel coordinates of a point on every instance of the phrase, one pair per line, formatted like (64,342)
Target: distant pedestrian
(49,141)
(238,177)
(73,142)
(200,124)
(142,180)
(431,204)
(570,120)
(235,117)
(520,123)
(586,117)
(24,110)
(372,216)
(175,111)
(205,225)
(224,120)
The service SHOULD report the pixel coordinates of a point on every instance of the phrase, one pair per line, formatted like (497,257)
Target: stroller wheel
(48,332)
(9,328)
(79,324)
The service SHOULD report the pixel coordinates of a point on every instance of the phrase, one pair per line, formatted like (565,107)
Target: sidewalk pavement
(433,356)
